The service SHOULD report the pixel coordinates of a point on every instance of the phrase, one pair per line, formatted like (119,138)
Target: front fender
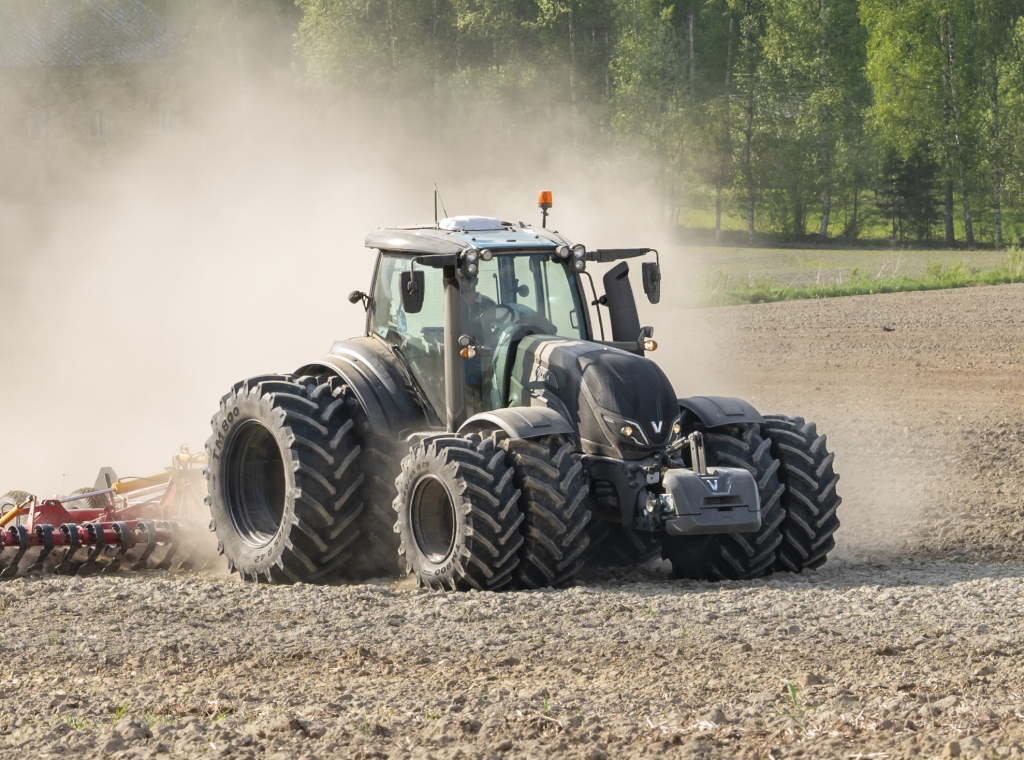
(715,411)
(519,422)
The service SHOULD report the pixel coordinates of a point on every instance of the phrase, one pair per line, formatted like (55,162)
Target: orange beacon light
(544,203)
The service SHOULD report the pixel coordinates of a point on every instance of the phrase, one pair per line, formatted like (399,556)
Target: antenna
(437,197)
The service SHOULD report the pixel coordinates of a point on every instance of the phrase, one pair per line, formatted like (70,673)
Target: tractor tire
(734,556)
(597,532)
(378,465)
(283,480)
(458,514)
(625,547)
(810,500)
(554,503)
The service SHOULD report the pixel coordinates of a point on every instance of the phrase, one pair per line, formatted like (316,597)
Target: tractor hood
(621,403)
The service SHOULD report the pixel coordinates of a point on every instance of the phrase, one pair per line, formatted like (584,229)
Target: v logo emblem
(657,425)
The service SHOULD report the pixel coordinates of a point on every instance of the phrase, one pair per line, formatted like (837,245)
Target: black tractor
(484,434)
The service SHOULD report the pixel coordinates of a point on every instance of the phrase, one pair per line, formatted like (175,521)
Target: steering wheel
(494,321)
(504,319)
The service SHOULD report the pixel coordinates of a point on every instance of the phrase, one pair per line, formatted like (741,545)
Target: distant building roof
(82,33)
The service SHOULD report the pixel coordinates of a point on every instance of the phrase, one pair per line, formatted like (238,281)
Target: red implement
(140,516)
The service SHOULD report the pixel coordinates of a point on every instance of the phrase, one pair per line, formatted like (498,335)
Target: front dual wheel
(489,513)
(792,465)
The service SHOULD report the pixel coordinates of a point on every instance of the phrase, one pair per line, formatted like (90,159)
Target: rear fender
(520,422)
(366,366)
(715,411)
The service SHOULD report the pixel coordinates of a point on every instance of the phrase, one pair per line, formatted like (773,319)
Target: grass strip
(721,289)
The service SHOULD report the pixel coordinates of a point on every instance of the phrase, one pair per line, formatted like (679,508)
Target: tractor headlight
(486,254)
(562,251)
(580,265)
(471,270)
(676,431)
(471,256)
(625,430)
(579,251)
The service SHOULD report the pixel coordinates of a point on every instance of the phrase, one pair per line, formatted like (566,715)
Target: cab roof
(456,234)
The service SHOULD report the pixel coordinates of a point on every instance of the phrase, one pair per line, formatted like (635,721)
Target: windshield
(514,295)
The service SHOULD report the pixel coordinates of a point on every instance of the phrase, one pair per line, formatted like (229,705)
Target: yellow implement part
(14,513)
(136,484)
(184,456)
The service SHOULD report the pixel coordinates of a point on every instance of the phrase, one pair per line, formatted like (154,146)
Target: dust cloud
(178,267)
(175,267)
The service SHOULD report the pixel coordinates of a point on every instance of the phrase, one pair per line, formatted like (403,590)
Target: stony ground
(901,659)
(908,643)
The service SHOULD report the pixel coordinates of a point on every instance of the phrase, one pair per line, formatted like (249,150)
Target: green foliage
(865,107)
(719,289)
(77,722)
(794,709)
(152,718)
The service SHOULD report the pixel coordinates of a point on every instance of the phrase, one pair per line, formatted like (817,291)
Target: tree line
(896,120)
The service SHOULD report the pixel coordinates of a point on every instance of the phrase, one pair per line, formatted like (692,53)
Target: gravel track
(893,649)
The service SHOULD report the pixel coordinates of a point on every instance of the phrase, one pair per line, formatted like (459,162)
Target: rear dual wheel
(287,483)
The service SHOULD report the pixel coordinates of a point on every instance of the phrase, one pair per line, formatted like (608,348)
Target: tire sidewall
(237,411)
(415,469)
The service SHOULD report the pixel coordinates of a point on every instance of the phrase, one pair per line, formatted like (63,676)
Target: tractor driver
(475,306)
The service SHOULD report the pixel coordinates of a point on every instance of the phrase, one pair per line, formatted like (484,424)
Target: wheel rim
(433,519)
(254,485)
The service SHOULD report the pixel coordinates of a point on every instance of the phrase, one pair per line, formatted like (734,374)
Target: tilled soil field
(906,644)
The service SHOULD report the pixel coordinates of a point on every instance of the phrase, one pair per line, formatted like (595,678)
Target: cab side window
(420,337)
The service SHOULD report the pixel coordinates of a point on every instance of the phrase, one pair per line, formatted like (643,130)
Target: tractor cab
(513,293)
(456,299)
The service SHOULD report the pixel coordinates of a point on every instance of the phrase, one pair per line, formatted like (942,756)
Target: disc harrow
(155,522)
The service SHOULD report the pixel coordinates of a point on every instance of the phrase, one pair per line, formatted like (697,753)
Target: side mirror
(651,275)
(411,285)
